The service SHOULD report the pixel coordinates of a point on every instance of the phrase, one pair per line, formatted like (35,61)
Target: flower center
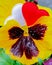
(25,44)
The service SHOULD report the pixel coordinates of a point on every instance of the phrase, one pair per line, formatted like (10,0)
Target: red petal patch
(31,13)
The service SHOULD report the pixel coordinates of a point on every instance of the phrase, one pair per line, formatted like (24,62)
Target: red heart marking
(31,13)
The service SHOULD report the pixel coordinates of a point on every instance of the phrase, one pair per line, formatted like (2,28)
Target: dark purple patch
(37,32)
(15,32)
(27,45)
(17,48)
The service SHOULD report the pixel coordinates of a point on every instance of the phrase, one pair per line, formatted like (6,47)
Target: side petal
(5,41)
(47,39)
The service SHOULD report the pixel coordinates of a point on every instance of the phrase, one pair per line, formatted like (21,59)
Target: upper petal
(6,7)
(18,15)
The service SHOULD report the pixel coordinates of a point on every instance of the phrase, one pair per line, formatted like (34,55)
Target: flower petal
(47,39)
(5,40)
(18,15)
(43,53)
(6,7)
(47,9)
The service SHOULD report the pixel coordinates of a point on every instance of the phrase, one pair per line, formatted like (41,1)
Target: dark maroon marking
(30,48)
(35,2)
(15,32)
(17,48)
(27,45)
(37,32)
(32,1)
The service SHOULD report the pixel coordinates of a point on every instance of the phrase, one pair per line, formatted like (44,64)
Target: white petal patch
(17,14)
(7,19)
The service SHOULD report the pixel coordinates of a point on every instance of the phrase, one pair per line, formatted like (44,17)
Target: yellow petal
(47,39)
(5,41)
(6,8)
(22,59)
(43,53)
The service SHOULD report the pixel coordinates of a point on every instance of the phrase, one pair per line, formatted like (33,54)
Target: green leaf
(17,63)
(6,60)
(40,61)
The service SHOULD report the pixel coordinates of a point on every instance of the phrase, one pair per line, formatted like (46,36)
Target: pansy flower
(26,32)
